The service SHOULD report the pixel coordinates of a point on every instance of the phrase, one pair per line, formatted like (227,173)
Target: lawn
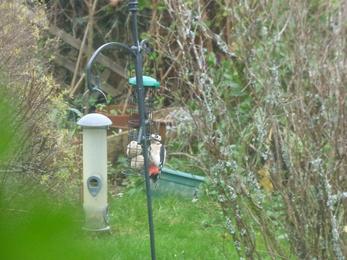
(45,230)
(183,230)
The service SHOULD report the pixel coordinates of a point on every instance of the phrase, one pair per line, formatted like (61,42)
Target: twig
(126,100)
(79,56)
(171,67)
(77,85)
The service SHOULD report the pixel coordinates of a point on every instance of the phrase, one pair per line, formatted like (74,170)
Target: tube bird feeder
(95,171)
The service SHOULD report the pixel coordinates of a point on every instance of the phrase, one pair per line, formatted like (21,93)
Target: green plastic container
(177,183)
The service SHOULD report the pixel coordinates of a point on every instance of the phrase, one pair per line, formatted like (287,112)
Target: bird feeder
(95,171)
(134,156)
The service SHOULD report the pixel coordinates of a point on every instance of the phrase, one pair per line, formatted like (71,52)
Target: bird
(157,155)
(137,163)
(133,149)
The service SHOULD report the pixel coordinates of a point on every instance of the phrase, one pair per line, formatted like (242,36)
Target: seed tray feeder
(178,183)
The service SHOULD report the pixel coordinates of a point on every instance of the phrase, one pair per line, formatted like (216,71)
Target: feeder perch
(95,171)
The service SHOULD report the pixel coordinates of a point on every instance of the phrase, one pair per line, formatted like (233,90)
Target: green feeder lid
(147,82)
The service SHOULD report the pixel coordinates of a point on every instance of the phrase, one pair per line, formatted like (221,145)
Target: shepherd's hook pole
(137,52)
(133,8)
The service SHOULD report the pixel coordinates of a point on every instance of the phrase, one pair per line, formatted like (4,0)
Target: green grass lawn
(183,230)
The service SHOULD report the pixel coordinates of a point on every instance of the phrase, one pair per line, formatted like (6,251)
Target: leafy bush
(37,145)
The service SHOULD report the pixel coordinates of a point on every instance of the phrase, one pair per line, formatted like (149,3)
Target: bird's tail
(155,179)
(154,174)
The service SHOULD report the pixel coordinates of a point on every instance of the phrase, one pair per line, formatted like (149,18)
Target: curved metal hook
(96,89)
(148,48)
(92,59)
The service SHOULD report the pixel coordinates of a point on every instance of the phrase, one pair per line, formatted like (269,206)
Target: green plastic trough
(177,183)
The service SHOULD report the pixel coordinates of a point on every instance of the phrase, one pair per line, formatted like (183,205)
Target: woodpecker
(137,163)
(133,149)
(157,154)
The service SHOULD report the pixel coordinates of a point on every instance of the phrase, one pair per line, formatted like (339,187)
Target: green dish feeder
(177,183)
(148,82)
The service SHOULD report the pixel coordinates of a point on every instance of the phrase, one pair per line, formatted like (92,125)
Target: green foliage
(101,107)
(8,123)
(183,164)
(40,128)
(159,102)
(144,4)
(66,120)
(115,112)
(45,231)
(116,170)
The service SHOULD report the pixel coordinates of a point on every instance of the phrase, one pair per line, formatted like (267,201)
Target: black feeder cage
(135,157)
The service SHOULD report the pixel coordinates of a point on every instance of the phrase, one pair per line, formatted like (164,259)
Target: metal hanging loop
(94,90)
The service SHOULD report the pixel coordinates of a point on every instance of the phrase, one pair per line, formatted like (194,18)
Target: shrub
(35,146)
(265,84)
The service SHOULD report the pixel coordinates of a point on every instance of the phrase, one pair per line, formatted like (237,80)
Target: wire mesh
(134,151)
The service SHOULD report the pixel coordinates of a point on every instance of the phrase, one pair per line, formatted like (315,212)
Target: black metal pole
(142,110)
(133,7)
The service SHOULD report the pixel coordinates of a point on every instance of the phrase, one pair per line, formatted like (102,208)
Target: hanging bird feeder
(135,156)
(95,171)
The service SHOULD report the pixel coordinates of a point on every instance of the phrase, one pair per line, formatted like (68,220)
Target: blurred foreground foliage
(37,156)
(41,231)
